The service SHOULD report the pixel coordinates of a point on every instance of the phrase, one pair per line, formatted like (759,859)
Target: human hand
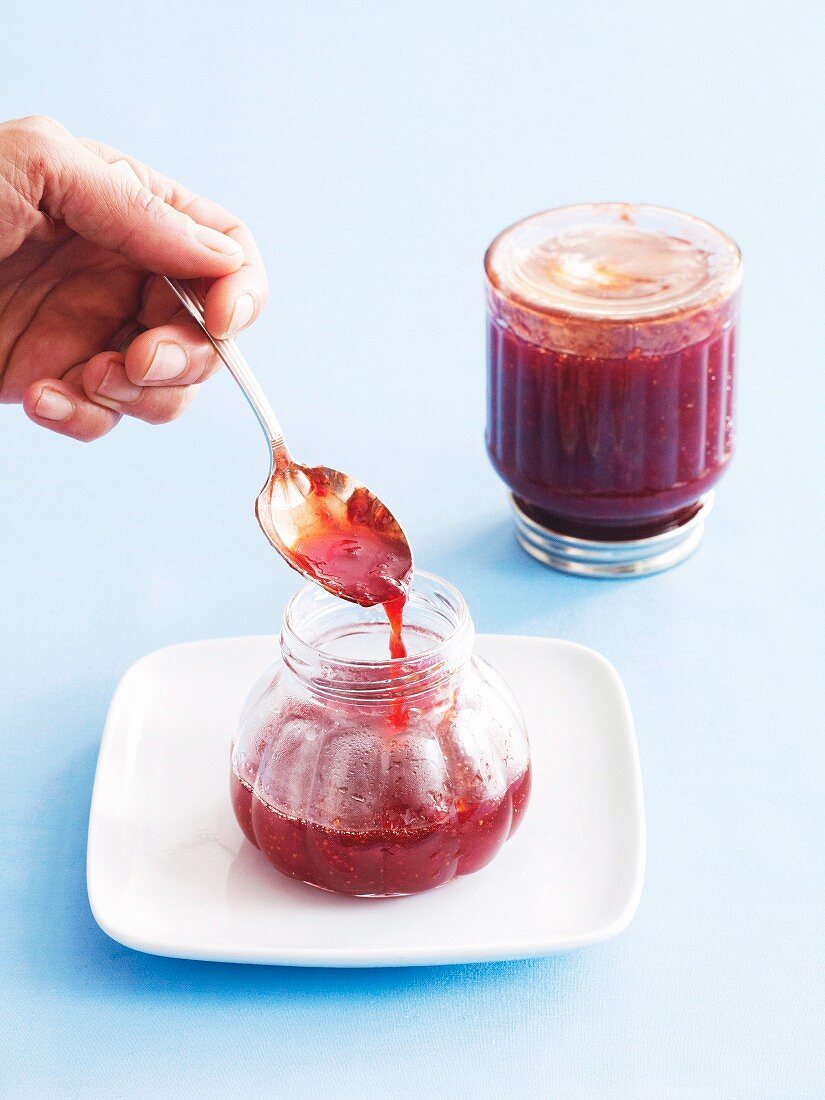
(84,231)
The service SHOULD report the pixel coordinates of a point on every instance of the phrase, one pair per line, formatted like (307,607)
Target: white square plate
(169,872)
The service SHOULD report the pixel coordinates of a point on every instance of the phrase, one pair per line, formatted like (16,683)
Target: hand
(83,230)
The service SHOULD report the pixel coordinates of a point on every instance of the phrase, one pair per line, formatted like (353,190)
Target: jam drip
(394,610)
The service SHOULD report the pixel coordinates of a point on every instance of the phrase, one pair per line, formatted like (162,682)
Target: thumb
(109,205)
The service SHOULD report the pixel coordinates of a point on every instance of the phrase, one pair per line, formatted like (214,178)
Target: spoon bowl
(336,532)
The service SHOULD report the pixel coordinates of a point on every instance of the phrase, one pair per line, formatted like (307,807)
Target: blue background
(375,150)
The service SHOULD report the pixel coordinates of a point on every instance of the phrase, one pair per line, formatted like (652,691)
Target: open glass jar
(374,776)
(611,351)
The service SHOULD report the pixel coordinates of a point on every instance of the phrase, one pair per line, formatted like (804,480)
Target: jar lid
(613,261)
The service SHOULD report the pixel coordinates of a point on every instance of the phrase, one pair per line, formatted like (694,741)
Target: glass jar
(611,348)
(371,775)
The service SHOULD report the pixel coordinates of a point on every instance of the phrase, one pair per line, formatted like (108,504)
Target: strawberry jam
(394,858)
(611,353)
(599,447)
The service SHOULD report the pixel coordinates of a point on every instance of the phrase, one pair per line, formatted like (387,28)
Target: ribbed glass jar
(374,776)
(611,353)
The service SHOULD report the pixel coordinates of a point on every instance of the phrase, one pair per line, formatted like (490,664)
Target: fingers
(106,383)
(94,396)
(113,208)
(177,354)
(63,407)
(70,185)
(232,304)
(233,301)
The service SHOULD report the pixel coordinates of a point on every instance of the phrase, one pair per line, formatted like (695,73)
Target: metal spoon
(321,522)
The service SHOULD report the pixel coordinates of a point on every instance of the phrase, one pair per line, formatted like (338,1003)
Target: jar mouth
(613,262)
(319,627)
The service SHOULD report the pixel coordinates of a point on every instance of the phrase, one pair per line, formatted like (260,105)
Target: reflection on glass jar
(371,776)
(611,351)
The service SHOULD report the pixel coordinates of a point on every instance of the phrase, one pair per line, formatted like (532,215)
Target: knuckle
(194,206)
(150,203)
(149,207)
(40,136)
(42,126)
(144,200)
(37,146)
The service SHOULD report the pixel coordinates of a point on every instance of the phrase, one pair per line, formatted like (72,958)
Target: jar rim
(509,280)
(425,588)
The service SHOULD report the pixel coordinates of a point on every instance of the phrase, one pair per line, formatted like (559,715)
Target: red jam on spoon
(339,534)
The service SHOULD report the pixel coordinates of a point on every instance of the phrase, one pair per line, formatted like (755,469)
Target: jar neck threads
(336,648)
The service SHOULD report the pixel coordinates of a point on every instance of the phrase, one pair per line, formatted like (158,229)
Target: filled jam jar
(611,336)
(373,775)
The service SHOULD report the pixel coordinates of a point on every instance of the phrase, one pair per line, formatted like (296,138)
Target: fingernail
(241,313)
(217,242)
(117,388)
(169,361)
(52,405)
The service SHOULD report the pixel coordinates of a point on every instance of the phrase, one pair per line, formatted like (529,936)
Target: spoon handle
(240,370)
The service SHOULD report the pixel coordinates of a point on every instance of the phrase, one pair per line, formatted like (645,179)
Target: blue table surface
(375,150)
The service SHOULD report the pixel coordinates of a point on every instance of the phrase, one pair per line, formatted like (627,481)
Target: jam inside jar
(611,352)
(378,777)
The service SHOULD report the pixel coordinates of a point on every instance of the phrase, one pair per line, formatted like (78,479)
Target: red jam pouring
(358,561)
(394,610)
